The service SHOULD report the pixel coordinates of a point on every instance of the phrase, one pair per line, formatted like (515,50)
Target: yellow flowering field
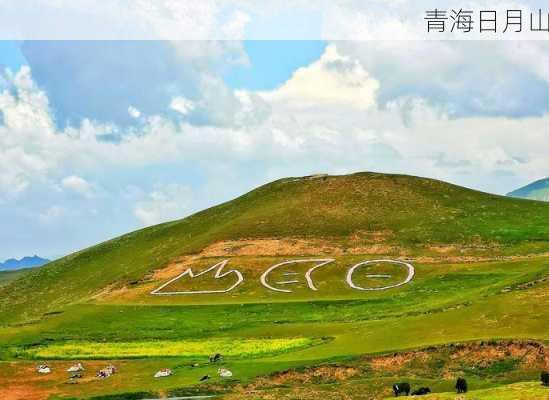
(178,348)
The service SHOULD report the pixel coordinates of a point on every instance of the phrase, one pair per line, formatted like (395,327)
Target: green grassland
(500,306)
(6,277)
(490,281)
(517,391)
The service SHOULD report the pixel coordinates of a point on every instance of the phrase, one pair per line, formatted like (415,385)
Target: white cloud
(28,107)
(182,105)
(143,19)
(26,120)
(134,112)
(235,27)
(165,203)
(78,185)
(333,79)
(388,20)
(502,80)
(220,106)
(522,53)
(51,214)
(333,132)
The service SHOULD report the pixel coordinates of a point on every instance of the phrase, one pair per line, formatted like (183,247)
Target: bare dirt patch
(20,380)
(291,247)
(267,247)
(396,362)
(528,354)
(359,243)
(320,374)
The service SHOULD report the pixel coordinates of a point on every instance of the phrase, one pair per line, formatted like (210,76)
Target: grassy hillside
(7,277)
(538,190)
(406,214)
(509,301)
(481,274)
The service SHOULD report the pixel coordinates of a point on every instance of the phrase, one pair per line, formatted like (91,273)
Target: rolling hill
(538,190)
(481,274)
(402,215)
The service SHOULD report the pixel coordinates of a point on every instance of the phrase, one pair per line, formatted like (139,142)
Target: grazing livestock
(461,385)
(399,388)
(216,357)
(421,391)
(545,378)
(204,378)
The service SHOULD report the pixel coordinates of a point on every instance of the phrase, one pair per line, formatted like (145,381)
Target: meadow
(457,302)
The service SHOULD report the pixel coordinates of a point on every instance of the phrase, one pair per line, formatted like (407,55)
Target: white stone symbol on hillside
(351,271)
(290,281)
(218,275)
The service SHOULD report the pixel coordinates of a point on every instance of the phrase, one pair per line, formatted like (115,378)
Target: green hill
(481,273)
(404,214)
(538,190)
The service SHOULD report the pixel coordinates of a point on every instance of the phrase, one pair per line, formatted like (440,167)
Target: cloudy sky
(250,19)
(98,138)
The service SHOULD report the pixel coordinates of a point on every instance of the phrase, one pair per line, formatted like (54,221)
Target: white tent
(163,373)
(76,368)
(43,369)
(224,373)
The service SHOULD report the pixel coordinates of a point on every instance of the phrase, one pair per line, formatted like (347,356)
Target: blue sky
(60,66)
(101,138)
(10,55)
(271,63)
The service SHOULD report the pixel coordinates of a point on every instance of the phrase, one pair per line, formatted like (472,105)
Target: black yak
(544,378)
(204,378)
(421,391)
(216,357)
(461,385)
(399,388)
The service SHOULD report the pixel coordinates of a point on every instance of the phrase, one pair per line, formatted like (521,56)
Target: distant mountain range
(26,262)
(538,190)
